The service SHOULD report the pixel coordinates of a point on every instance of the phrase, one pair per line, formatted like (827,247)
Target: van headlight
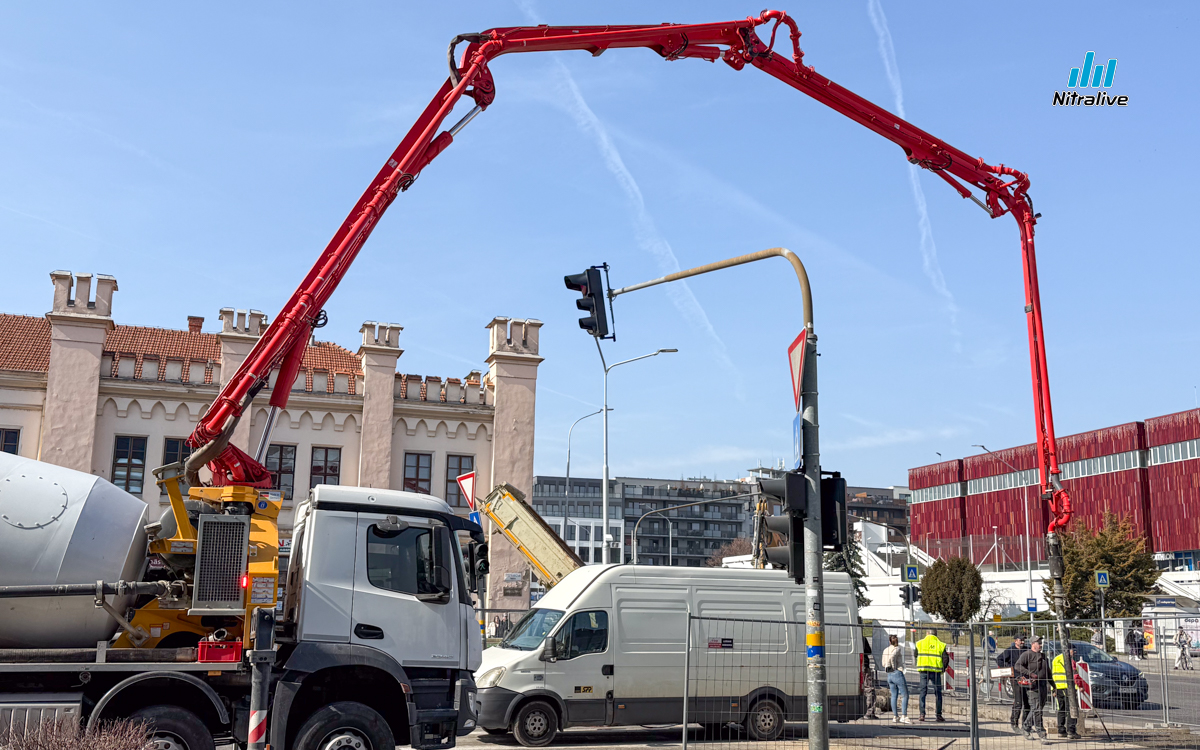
(490,678)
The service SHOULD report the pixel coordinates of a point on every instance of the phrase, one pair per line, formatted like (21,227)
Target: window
(598,533)
(175,451)
(585,533)
(616,533)
(129,463)
(584,553)
(418,468)
(404,560)
(10,440)
(570,532)
(326,466)
(557,529)
(456,466)
(281,462)
(584,633)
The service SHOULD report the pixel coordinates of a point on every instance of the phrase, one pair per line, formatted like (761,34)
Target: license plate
(1129,691)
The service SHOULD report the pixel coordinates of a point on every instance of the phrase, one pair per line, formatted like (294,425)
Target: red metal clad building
(937,508)
(1174,479)
(1146,472)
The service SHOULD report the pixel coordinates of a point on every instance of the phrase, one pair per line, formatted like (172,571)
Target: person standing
(893,665)
(1131,643)
(1184,642)
(1066,723)
(1008,658)
(931,662)
(1033,668)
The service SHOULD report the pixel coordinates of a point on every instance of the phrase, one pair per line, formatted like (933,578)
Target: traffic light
(906,595)
(916,592)
(1098,595)
(591,287)
(833,512)
(790,492)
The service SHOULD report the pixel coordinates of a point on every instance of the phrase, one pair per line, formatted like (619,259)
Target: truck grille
(220,564)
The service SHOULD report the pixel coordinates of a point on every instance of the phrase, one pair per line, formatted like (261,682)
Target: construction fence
(746,683)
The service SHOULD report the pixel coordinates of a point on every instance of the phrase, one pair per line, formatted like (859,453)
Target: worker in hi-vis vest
(1066,723)
(931,662)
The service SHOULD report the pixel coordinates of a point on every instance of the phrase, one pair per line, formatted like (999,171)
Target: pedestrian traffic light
(591,287)
(790,491)
(906,595)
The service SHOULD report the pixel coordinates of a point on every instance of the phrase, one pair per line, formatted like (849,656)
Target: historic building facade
(79,390)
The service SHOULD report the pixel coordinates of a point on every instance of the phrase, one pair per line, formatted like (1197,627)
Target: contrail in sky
(646,232)
(929,259)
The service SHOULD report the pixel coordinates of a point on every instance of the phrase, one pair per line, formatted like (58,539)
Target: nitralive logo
(1098,76)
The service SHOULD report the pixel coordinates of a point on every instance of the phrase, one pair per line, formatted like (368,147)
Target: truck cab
(377,607)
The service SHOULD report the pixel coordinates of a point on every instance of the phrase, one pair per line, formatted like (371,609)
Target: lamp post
(1028,555)
(567,499)
(604,481)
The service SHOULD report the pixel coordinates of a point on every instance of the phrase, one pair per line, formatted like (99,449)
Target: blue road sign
(1102,579)
(796,442)
(911,574)
(1031,605)
(476,518)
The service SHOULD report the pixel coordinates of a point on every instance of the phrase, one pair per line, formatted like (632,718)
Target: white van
(605,647)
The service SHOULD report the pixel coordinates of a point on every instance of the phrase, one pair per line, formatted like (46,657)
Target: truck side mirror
(549,650)
(441,579)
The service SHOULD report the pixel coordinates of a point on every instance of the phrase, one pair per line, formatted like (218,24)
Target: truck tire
(765,721)
(359,727)
(536,724)
(175,728)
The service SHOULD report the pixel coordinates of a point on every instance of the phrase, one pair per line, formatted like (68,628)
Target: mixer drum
(63,526)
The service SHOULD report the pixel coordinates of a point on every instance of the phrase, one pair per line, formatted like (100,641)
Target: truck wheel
(175,728)
(765,721)
(347,725)
(536,724)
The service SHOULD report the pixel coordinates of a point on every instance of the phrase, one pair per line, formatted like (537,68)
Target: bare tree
(738,546)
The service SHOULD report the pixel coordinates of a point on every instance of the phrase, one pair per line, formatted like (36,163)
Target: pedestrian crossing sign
(1102,579)
(910,574)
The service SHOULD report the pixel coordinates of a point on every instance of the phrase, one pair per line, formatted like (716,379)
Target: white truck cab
(606,647)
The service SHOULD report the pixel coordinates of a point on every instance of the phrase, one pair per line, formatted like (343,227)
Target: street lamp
(1028,554)
(567,499)
(665,509)
(604,482)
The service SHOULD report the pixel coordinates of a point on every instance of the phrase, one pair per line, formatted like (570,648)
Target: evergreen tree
(952,590)
(849,560)
(1132,571)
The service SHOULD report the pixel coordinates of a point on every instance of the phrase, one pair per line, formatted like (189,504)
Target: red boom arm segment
(1004,190)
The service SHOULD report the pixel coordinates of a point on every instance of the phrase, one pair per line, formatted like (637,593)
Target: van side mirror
(549,650)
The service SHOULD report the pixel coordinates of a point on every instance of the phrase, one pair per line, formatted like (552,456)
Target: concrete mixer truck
(106,614)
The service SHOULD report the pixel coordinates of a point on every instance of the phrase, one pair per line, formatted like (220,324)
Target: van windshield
(532,629)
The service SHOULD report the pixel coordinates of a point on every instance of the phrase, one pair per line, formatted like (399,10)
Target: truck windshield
(532,629)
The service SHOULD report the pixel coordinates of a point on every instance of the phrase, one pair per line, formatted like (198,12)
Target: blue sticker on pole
(816,652)
(797,442)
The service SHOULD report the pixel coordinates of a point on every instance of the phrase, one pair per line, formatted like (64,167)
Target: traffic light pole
(818,719)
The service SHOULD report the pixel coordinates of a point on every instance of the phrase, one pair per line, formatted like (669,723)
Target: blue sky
(205,158)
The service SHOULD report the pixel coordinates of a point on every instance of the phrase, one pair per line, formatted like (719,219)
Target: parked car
(1114,682)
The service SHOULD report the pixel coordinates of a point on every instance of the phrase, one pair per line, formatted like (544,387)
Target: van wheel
(348,724)
(536,724)
(174,728)
(765,721)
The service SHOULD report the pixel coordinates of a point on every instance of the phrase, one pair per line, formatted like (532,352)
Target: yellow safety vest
(929,654)
(1059,669)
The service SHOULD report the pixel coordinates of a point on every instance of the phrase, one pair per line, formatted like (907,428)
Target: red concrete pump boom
(737,43)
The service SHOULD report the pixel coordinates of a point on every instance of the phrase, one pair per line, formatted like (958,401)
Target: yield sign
(466,484)
(796,361)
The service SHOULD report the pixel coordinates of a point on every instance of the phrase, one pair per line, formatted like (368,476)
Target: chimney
(195,323)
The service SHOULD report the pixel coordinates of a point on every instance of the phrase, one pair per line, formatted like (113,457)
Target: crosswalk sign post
(911,574)
(1102,579)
